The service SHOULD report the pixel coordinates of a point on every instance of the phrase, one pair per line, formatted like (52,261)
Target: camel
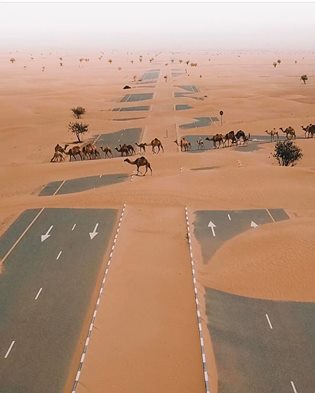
(156,143)
(90,150)
(241,135)
(141,146)
(107,150)
(57,157)
(230,136)
(289,131)
(59,148)
(272,134)
(73,152)
(141,161)
(131,149)
(122,150)
(309,130)
(218,138)
(184,144)
(200,143)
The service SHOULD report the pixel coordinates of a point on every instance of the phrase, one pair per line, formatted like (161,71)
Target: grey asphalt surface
(151,75)
(250,356)
(82,184)
(114,139)
(189,88)
(129,118)
(137,97)
(226,229)
(132,108)
(181,107)
(46,330)
(200,122)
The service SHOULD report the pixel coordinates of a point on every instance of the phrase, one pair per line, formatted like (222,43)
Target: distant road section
(45,290)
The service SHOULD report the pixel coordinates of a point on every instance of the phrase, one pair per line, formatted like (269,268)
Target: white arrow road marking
(253,224)
(212,226)
(74,225)
(38,293)
(58,256)
(47,235)
(9,350)
(267,316)
(94,233)
(229,217)
(293,387)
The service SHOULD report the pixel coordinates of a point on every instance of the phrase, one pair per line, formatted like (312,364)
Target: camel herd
(90,151)
(290,132)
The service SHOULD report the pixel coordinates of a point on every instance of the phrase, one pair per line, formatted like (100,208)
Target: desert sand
(146,336)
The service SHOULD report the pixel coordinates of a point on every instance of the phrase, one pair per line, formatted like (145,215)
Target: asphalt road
(137,97)
(45,290)
(262,346)
(81,184)
(132,108)
(229,223)
(200,122)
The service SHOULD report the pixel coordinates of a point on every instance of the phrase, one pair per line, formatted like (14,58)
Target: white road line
(58,256)
(267,316)
(63,182)
(38,293)
(267,210)
(229,217)
(74,225)
(14,245)
(10,348)
(293,387)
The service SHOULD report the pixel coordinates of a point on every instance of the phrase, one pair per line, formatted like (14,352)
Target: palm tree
(304,78)
(12,60)
(78,112)
(78,128)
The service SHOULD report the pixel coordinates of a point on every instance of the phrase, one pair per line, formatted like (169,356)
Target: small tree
(78,128)
(274,64)
(304,78)
(287,153)
(12,60)
(279,61)
(78,112)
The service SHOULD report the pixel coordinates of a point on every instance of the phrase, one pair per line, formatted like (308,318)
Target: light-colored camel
(289,132)
(216,139)
(107,150)
(309,130)
(57,157)
(272,134)
(156,144)
(141,161)
(141,147)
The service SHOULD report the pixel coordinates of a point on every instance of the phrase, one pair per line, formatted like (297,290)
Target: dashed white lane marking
(293,387)
(269,323)
(58,256)
(38,293)
(87,341)
(14,245)
(63,182)
(74,225)
(9,350)
(199,320)
(229,217)
(273,220)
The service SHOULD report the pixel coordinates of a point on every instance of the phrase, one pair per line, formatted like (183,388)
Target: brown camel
(289,132)
(141,147)
(141,161)
(240,135)
(184,144)
(156,143)
(218,138)
(272,134)
(90,151)
(122,150)
(73,152)
(230,136)
(57,157)
(60,148)
(309,130)
(107,150)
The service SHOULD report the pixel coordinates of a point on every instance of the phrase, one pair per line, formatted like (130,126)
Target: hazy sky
(158,25)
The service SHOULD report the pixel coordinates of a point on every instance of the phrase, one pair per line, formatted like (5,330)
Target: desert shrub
(287,153)
(78,112)
(78,129)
